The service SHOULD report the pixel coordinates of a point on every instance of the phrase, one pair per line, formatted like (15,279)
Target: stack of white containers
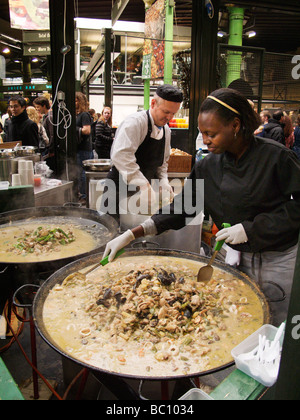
(25,175)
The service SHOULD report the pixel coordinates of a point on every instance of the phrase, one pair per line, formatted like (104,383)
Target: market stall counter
(53,193)
(93,191)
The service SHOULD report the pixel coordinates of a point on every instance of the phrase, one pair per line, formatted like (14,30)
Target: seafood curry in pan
(148,316)
(45,239)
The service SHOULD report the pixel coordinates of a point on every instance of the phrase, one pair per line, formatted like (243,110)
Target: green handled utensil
(104,261)
(205,273)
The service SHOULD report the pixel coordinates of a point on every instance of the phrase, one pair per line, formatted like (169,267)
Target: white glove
(166,191)
(148,199)
(234,235)
(233,257)
(118,243)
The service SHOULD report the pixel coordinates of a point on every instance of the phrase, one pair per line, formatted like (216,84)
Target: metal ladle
(205,273)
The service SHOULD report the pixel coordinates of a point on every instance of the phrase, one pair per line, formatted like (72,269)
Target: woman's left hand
(234,235)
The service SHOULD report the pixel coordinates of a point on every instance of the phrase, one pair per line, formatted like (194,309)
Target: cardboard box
(180,164)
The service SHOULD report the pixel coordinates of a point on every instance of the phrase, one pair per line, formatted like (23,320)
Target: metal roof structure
(276,23)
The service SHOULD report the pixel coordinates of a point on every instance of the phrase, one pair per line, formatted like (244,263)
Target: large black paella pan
(102,228)
(102,373)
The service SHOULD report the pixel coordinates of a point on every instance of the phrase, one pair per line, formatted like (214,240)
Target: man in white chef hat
(142,146)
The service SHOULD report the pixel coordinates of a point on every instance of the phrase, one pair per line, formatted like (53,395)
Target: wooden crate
(180,164)
(10,144)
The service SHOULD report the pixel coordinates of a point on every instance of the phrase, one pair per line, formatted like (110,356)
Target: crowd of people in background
(94,137)
(33,126)
(280,127)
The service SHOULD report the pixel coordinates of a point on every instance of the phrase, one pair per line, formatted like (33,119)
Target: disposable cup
(22,164)
(30,176)
(24,177)
(37,180)
(27,176)
(16,180)
(29,165)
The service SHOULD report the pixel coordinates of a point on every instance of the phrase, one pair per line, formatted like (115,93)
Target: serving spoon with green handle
(104,262)
(205,273)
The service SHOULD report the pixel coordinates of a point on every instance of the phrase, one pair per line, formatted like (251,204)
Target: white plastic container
(196,394)
(4,185)
(250,344)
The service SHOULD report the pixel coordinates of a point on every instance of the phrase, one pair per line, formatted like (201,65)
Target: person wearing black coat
(20,127)
(104,134)
(274,129)
(252,183)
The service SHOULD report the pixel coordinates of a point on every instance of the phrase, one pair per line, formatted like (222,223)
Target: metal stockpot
(9,165)
(5,169)
(7,153)
(22,151)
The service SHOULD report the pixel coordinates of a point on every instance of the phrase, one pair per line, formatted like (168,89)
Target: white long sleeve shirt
(129,136)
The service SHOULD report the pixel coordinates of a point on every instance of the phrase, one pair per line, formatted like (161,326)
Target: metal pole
(148,4)
(261,80)
(146,94)
(235,38)
(62,15)
(107,71)
(36,394)
(78,42)
(169,33)
(204,63)
(126,58)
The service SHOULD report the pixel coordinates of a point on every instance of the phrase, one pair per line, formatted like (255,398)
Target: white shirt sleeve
(149,227)
(129,136)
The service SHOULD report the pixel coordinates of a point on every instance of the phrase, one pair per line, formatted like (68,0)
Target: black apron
(149,156)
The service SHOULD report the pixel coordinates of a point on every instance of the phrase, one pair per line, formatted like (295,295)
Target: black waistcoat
(149,156)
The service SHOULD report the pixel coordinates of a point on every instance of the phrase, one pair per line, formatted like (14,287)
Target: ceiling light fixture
(250,34)
(221,34)
(6,50)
